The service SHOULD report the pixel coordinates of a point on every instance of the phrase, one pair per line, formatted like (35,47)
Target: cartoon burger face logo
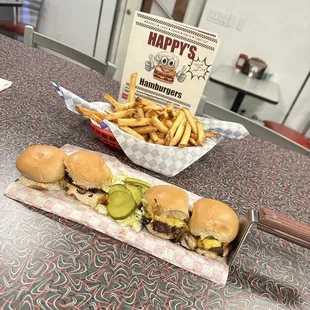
(164,66)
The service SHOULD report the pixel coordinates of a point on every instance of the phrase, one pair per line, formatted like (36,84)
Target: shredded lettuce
(102,209)
(119,179)
(116,179)
(133,221)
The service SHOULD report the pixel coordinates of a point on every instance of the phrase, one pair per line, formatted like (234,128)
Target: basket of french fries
(149,122)
(105,136)
(163,138)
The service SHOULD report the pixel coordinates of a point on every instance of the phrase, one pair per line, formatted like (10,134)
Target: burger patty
(80,189)
(164,228)
(218,250)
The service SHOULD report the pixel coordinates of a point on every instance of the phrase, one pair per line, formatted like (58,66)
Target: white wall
(105,28)
(75,23)
(276,31)
(71,22)
(300,114)
(168,4)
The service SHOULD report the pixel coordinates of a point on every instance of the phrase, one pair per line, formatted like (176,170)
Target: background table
(50,263)
(12,3)
(234,79)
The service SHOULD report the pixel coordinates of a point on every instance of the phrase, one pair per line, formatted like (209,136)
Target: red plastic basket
(104,136)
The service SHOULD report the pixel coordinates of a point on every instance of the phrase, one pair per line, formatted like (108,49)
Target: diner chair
(33,38)
(29,14)
(290,133)
(208,109)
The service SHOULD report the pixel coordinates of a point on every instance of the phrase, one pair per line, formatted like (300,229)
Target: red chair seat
(288,133)
(10,26)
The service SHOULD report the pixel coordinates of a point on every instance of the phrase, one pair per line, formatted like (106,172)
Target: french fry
(132,122)
(111,100)
(159,125)
(168,123)
(194,136)
(153,136)
(190,119)
(174,128)
(163,115)
(172,113)
(170,106)
(154,108)
(150,140)
(160,141)
(211,134)
(207,135)
(145,129)
(193,142)
(201,133)
(132,86)
(186,135)
(90,113)
(140,113)
(145,136)
(132,132)
(150,113)
(145,102)
(119,115)
(126,106)
(161,135)
(179,133)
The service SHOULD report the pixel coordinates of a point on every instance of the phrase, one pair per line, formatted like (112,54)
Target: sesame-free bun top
(88,170)
(212,218)
(42,163)
(167,200)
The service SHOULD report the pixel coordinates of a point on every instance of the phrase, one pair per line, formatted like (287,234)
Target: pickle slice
(135,192)
(121,205)
(119,188)
(135,181)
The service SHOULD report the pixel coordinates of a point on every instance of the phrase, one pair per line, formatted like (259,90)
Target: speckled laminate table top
(47,262)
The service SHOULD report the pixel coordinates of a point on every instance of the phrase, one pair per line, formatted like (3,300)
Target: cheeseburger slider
(87,177)
(166,212)
(213,225)
(42,167)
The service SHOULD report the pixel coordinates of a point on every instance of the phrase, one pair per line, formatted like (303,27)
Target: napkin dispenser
(254,67)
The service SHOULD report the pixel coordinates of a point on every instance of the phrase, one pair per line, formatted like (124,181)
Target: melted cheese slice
(170,221)
(208,244)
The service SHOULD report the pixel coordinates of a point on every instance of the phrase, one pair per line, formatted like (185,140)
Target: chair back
(33,38)
(209,109)
(31,11)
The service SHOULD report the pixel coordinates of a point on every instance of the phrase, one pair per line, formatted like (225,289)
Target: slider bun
(42,163)
(88,170)
(212,218)
(54,186)
(168,201)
